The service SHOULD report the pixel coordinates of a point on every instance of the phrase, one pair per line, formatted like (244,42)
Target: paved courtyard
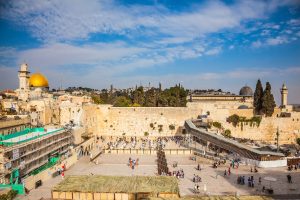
(216,183)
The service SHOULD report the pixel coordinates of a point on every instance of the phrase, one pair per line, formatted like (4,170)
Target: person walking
(289,177)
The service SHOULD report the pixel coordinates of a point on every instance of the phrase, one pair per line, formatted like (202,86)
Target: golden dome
(38,80)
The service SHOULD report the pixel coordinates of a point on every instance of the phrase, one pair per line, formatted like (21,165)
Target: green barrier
(25,131)
(34,130)
(51,163)
(19,188)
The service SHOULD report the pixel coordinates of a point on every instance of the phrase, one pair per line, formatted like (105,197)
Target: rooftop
(118,184)
(26,135)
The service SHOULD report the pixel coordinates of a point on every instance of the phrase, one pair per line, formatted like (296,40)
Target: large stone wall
(135,121)
(289,129)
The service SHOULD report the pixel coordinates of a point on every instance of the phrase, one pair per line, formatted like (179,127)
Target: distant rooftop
(211,92)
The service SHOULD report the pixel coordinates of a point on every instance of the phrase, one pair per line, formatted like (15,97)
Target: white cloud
(68,20)
(213,51)
(60,54)
(276,41)
(256,44)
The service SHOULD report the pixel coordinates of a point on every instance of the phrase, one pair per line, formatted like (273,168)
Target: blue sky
(202,44)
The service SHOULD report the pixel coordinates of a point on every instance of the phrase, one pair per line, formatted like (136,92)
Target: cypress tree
(258,95)
(268,103)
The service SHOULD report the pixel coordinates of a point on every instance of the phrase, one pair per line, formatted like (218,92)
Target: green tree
(138,96)
(97,99)
(258,97)
(298,141)
(122,101)
(162,100)
(150,98)
(104,96)
(268,103)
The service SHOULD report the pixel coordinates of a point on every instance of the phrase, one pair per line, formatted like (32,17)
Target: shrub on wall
(235,119)
(151,125)
(217,125)
(298,141)
(160,128)
(172,127)
(227,133)
(135,105)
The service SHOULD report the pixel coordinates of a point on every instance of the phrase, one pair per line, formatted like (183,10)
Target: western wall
(165,121)
(136,121)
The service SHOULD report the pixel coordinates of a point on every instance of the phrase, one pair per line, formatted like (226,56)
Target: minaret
(284,93)
(23,91)
(24,77)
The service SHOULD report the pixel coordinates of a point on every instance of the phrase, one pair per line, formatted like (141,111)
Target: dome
(38,80)
(243,107)
(246,91)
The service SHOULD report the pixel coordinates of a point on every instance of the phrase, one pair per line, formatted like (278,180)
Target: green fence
(51,163)
(20,133)
(26,131)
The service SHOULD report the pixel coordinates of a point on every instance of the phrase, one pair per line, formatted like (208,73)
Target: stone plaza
(212,179)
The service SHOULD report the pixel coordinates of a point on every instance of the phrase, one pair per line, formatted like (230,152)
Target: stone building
(25,151)
(14,124)
(225,100)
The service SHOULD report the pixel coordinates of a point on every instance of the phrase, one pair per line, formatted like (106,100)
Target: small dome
(246,91)
(38,80)
(243,107)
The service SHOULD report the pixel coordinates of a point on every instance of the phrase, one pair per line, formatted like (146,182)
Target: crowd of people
(196,179)
(218,163)
(61,171)
(133,162)
(140,143)
(178,173)
(293,167)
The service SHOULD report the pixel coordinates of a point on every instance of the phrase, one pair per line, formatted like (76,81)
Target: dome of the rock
(38,80)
